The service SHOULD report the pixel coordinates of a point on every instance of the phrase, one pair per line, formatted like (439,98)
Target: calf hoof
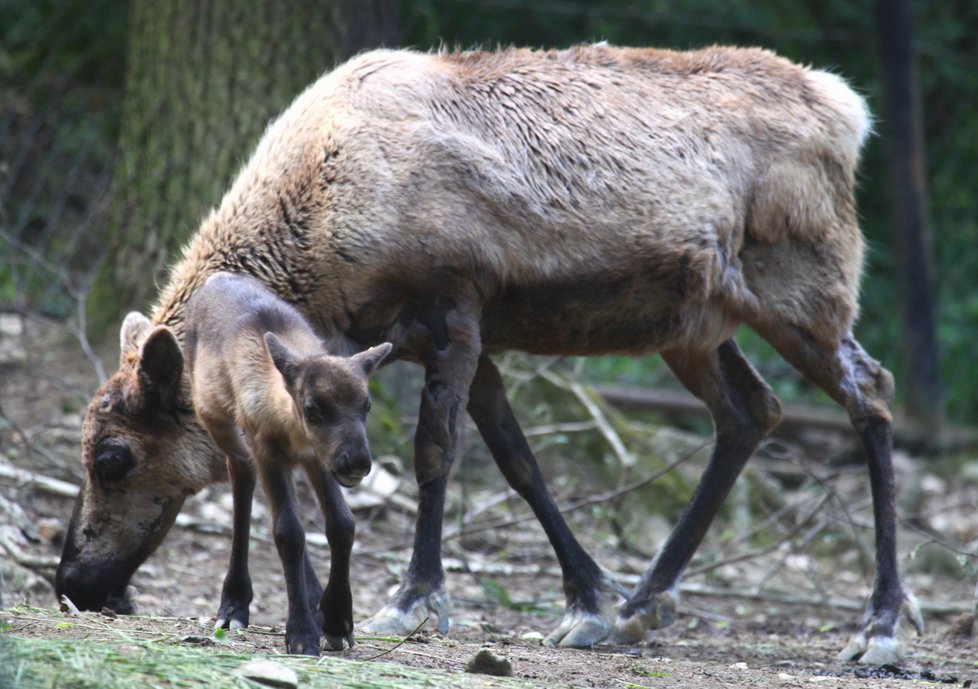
(338,629)
(406,612)
(302,643)
(633,620)
(232,615)
(340,642)
(335,616)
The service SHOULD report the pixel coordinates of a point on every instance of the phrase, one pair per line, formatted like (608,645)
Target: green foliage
(61,82)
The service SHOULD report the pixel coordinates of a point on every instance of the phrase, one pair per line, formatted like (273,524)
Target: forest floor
(774,619)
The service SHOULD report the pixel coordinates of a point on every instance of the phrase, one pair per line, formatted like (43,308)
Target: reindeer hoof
(579,629)
(405,613)
(875,650)
(876,643)
(911,609)
(659,612)
(582,628)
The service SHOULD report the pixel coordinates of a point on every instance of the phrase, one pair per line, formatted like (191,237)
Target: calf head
(331,400)
(143,453)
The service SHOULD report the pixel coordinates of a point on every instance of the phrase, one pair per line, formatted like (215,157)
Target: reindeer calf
(256,366)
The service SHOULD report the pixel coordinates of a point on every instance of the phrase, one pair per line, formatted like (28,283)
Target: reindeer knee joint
(289,537)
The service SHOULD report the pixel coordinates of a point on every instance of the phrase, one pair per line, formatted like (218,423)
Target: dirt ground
(774,620)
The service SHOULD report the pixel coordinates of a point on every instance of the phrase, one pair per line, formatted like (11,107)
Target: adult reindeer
(590,201)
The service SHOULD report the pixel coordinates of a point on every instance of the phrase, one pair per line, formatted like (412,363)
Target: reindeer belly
(625,316)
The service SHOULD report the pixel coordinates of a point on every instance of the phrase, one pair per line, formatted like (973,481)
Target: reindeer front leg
(590,592)
(449,348)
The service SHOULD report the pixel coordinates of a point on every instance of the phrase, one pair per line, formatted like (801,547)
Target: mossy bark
(203,79)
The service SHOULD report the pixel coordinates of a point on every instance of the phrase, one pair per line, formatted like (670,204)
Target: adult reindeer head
(143,453)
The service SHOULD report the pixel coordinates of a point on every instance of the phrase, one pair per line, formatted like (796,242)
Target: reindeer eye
(112,461)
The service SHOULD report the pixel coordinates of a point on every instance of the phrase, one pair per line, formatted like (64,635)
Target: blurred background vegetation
(122,122)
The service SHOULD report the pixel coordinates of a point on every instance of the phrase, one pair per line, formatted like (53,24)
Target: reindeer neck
(228,241)
(200,260)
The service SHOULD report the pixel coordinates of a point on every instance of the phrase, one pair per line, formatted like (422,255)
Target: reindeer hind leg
(744,409)
(865,389)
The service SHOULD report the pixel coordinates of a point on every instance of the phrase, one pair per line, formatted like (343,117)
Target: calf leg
(861,385)
(450,359)
(236,594)
(743,409)
(585,622)
(336,603)
(301,627)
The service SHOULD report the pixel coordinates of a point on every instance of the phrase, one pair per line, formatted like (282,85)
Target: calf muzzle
(349,468)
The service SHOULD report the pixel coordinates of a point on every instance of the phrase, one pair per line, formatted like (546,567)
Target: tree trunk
(923,393)
(203,79)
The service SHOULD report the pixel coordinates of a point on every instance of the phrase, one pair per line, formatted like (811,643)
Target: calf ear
(161,368)
(134,330)
(284,358)
(370,359)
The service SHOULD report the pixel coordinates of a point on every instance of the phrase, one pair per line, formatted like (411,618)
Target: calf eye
(317,413)
(311,412)
(112,462)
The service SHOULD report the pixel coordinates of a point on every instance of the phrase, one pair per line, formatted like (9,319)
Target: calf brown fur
(256,366)
(596,200)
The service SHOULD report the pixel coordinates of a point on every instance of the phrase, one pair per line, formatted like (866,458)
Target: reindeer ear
(370,359)
(134,330)
(284,358)
(161,368)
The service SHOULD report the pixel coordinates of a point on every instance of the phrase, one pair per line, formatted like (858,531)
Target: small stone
(739,666)
(108,612)
(269,673)
(486,662)
(532,636)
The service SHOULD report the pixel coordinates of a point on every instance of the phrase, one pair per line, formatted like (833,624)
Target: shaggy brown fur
(586,201)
